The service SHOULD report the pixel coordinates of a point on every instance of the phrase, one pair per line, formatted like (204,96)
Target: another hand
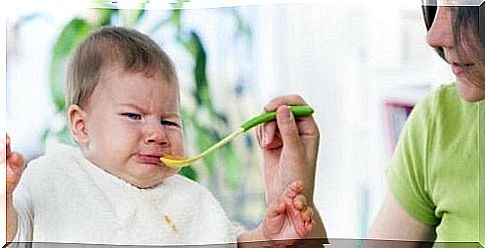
(290,148)
(15,166)
(289,218)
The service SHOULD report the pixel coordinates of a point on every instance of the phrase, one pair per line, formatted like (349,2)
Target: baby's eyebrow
(170,115)
(131,105)
(142,110)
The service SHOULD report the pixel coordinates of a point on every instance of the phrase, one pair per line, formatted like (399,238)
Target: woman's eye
(168,123)
(132,116)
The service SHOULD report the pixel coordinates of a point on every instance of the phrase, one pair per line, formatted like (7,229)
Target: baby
(123,113)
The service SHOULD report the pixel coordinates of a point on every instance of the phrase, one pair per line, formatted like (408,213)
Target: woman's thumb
(288,129)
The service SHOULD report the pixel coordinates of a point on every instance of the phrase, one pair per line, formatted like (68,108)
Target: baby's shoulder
(56,162)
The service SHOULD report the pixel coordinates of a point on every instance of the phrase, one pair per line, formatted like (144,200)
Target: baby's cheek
(177,144)
(166,172)
(119,145)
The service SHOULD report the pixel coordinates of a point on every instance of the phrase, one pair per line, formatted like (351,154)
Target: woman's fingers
(15,162)
(284,100)
(294,190)
(15,165)
(307,214)
(300,202)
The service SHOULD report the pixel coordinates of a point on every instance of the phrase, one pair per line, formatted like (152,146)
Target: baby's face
(132,121)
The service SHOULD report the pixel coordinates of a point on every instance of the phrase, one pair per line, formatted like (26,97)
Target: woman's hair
(466,33)
(114,46)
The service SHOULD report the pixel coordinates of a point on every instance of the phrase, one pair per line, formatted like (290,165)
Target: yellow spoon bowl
(177,162)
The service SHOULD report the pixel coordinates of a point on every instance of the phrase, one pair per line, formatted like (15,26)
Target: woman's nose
(440,33)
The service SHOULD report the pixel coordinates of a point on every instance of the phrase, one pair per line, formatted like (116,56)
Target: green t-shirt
(434,173)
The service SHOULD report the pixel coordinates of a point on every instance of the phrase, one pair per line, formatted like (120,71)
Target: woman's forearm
(318,231)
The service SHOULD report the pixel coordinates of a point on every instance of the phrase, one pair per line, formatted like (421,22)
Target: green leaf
(159,25)
(179,4)
(65,135)
(203,137)
(232,167)
(176,19)
(45,134)
(71,35)
(206,137)
(201,93)
(189,44)
(104,15)
(189,172)
(131,17)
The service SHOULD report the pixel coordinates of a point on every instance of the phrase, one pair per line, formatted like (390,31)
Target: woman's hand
(290,218)
(15,167)
(290,148)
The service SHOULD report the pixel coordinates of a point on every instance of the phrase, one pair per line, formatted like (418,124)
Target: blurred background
(361,64)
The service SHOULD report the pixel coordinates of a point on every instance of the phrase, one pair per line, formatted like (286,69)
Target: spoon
(179,162)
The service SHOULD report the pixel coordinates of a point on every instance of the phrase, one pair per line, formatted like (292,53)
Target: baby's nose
(156,134)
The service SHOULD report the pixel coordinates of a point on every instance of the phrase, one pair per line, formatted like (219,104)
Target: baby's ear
(77,123)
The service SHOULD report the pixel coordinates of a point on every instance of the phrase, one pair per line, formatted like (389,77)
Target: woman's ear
(77,123)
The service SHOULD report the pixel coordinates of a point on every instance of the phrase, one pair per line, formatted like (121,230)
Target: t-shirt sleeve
(408,171)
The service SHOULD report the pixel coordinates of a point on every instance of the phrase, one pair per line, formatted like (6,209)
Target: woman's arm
(14,168)
(394,223)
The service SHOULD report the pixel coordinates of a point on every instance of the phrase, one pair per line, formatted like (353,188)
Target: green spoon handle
(298,111)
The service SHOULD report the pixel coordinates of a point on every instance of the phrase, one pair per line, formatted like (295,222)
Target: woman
(434,175)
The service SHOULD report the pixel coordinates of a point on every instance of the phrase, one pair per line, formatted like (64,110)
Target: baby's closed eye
(132,116)
(169,123)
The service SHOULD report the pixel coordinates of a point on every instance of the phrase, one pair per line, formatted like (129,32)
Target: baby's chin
(150,183)
(145,185)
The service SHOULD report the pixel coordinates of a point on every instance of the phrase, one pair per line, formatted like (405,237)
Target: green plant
(189,39)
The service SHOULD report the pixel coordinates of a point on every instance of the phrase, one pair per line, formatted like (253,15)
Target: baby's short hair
(109,46)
